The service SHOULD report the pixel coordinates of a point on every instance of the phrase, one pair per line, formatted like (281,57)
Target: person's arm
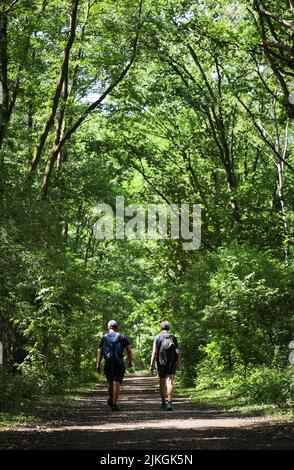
(178,361)
(153,356)
(99,359)
(129,353)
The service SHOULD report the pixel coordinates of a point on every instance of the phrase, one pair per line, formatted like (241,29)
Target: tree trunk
(56,98)
(280,184)
(4,92)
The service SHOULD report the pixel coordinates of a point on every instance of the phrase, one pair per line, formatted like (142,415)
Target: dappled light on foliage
(160,102)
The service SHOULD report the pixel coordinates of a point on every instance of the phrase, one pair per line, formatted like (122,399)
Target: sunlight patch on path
(188,424)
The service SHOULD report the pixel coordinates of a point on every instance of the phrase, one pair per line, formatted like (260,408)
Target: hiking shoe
(169,406)
(109,402)
(115,407)
(163,406)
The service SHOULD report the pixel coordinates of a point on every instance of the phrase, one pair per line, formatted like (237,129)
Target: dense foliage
(177,101)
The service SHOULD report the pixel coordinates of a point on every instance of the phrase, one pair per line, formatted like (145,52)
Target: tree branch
(284,23)
(70,131)
(261,132)
(10,7)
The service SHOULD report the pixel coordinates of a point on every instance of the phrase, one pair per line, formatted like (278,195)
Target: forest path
(142,425)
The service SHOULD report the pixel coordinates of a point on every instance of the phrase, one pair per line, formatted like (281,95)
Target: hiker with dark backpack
(112,347)
(166,355)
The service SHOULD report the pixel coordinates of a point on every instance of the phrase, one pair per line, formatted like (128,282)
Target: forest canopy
(167,101)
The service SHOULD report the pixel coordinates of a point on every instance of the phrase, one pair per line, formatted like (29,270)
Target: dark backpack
(112,348)
(167,351)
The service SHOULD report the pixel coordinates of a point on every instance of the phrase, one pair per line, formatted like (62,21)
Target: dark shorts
(114,372)
(164,371)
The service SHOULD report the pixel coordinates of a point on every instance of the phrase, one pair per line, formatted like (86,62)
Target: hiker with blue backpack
(112,347)
(166,355)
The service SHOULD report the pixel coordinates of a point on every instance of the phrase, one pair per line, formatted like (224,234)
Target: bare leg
(110,391)
(170,388)
(116,390)
(162,388)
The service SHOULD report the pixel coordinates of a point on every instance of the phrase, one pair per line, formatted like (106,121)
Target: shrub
(267,385)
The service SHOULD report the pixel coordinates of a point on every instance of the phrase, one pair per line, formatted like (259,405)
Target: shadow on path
(142,425)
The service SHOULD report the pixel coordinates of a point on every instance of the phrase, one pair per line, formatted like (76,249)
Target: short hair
(112,324)
(164,325)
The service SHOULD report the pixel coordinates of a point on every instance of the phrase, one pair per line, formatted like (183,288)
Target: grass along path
(223,399)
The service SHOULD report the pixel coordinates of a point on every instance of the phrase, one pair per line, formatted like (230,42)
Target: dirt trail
(142,425)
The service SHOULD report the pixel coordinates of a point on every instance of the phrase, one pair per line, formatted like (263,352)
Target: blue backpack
(112,348)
